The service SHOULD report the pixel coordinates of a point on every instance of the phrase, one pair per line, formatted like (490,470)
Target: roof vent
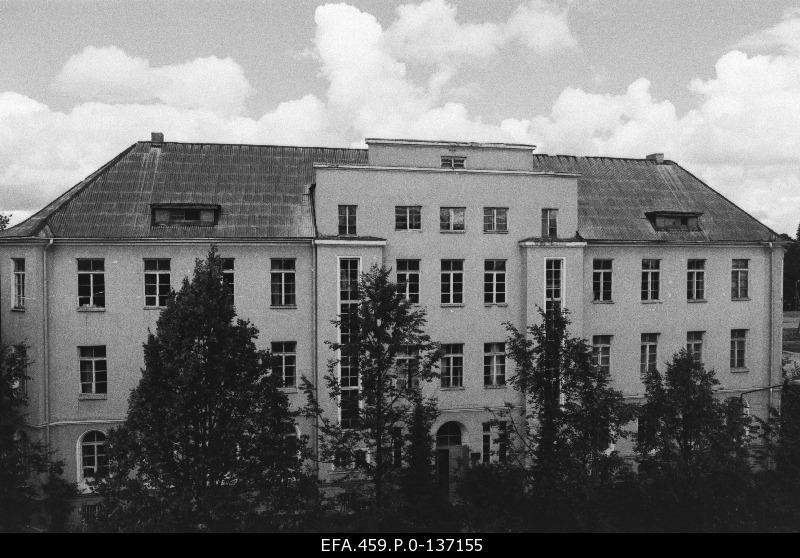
(657,157)
(156,139)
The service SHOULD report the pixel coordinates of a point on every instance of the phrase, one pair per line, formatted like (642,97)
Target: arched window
(449,434)
(93,454)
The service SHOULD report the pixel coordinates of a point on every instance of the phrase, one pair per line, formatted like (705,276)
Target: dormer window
(451,162)
(674,220)
(185,214)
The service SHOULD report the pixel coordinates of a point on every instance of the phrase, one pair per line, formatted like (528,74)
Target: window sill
(283,307)
(92,396)
(16,309)
(289,390)
(153,307)
(456,388)
(91,308)
(495,387)
(603,302)
(740,370)
(740,299)
(452,232)
(453,305)
(696,300)
(500,304)
(495,232)
(408,230)
(652,301)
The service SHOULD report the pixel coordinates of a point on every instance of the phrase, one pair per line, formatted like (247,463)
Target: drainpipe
(771,322)
(315,307)
(46,345)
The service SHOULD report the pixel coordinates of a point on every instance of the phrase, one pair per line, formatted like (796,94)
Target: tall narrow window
(494,364)
(452,282)
(696,280)
(93,369)
(408,217)
(156,282)
(19,283)
(649,347)
(91,283)
(451,218)
(549,223)
(347,220)
(408,279)
(348,360)
(739,279)
(228,277)
(452,365)
(487,442)
(406,363)
(93,455)
(284,362)
(495,219)
(494,282)
(282,282)
(601,351)
(694,345)
(553,299)
(651,275)
(738,348)
(601,280)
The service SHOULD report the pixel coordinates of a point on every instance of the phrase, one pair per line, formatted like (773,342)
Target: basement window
(674,220)
(197,215)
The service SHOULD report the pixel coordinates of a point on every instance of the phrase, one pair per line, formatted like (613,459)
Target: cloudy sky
(715,85)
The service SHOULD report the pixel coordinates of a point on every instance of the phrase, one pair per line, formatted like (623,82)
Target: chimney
(156,139)
(657,157)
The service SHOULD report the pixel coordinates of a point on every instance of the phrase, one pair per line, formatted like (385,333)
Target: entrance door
(443,468)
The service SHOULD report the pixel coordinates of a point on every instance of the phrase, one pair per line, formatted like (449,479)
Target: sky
(714,85)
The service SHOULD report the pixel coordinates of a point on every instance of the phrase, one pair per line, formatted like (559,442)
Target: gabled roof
(263,192)
(615,194)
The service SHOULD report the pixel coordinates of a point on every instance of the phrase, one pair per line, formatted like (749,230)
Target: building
(647,257)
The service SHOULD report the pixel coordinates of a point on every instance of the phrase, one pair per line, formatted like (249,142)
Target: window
(282,282)
(91,283)
(451,218)
(227,277)
(552,284)
(494,282)
(549,223)
(408,217)
(408,279)
(452,365)
(397,446)
(93,369)
(694,345)
(674,220)
(284,362)
(452,162)
(495,219)
(347,220)
(156,282)
(93,455)
(487,442)
(195,215)
(601,351)
(452,282)
(651,274)
(695,280)
(739,279)
(406,367)
(649,359)
(19,283)
(449,434)
(494,364)
(348,362)
(738,347)
(601,280)
(502,442)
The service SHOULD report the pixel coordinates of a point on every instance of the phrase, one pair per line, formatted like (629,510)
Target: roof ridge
(640,159)
(329,148)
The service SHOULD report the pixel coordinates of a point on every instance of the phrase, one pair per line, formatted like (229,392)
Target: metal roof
(615,194)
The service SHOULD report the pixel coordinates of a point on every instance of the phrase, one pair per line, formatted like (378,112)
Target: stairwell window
(452,282)
(156,282)
(453,162)
(549,223)
(553,292)
(19,284)
(451,219)
(738,349)
(649,352)
(494,364)
(282,282)
(696,280)
(651,276)
(349,269)
(452,366)
(601,280)
(494,282)
(284,362)
(93,369)
(740,279)
(228,277)
(408,279)
(91,283)
(495,219)
(347,220)
(408,218)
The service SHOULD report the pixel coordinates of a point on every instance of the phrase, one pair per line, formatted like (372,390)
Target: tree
(32,492)
(383,345)
(204,444)
(4,219)
(573,413)
(791,272)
